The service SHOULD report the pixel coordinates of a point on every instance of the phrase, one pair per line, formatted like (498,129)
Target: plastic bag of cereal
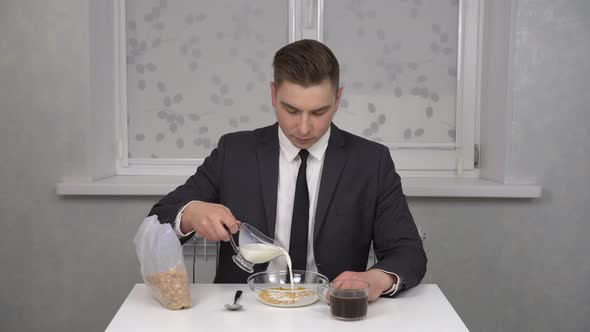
(162,263)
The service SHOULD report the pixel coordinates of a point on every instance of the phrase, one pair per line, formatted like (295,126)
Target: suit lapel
(336,155)
(268,167)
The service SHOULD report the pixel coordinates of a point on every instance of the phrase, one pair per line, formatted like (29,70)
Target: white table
(423,308)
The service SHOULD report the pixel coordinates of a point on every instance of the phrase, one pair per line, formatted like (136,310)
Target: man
(325,194)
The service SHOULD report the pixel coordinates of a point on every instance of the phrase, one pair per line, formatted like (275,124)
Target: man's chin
(302,144)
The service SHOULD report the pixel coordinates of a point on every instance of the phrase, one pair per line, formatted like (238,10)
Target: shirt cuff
(395,287)
(177,221)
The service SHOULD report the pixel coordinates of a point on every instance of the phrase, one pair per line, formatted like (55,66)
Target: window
(125,141)
(400,61)
(197,70)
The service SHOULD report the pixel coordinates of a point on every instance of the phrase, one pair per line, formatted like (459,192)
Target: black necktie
(300,220)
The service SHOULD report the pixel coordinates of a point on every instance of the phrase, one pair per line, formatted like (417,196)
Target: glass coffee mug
(348,298)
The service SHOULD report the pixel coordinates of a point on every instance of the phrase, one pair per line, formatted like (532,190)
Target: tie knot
(303,155)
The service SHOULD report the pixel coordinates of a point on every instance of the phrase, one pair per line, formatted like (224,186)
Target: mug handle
(233,243)
(231,240)
(322,292)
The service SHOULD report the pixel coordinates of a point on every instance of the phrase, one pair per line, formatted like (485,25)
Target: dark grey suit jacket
(360,201)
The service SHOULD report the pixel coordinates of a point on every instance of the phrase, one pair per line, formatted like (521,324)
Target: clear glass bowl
(274,288)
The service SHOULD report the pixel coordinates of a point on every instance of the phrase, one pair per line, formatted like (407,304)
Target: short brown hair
(306,62)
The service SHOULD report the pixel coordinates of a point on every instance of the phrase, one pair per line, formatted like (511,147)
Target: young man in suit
(324,193)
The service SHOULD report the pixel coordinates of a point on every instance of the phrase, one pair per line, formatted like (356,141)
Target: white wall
(505,265)
(66,264)
(511,265)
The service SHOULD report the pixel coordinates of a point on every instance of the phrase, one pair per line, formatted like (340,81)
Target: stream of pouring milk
(262,252)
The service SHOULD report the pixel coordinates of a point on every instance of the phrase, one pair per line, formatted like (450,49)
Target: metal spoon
(235,306)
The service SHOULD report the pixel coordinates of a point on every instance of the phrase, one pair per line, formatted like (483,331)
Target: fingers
(230,221)
(210,221)
(347,279)
(350,280)
(347,275)
(225,222)
(213,230)
(356,282)
(349,284)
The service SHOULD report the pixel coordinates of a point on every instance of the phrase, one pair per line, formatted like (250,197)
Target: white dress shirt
(289,162)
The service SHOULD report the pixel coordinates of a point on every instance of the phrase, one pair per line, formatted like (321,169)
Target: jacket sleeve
(397,244)
(204,185)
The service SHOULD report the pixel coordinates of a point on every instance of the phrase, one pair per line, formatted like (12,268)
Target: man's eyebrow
(323,108)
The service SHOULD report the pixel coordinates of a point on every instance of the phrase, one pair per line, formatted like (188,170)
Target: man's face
(305,114)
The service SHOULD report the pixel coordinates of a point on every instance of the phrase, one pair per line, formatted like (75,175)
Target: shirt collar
(318,150)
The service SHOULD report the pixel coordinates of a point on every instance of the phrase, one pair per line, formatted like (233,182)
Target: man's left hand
(380,281)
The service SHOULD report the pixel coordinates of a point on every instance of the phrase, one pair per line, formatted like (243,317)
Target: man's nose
(304,125)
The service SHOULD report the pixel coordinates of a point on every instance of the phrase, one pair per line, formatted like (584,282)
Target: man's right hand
(208,220)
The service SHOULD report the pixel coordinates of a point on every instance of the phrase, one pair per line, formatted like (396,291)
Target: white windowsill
(159,185)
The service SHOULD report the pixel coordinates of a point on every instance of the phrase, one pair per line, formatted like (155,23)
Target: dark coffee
(349,306)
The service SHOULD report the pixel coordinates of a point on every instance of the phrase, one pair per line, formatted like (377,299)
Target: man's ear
(273,94)
(338,96)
